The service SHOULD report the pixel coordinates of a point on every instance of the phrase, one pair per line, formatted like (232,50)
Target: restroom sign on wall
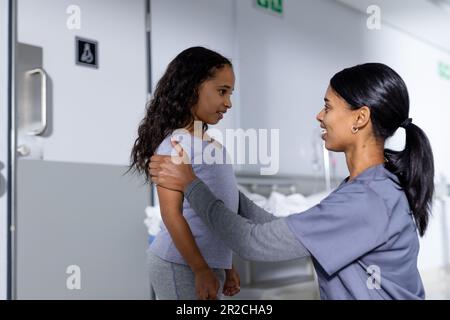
(86,52)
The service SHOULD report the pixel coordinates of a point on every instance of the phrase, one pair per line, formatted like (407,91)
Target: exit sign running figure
(275,6)
(444,70)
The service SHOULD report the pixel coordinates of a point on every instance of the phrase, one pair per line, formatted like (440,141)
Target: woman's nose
(319,116)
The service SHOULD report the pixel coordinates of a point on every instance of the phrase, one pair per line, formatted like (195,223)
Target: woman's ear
(363,117)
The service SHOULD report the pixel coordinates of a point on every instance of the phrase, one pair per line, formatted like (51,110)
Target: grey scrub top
(363,240)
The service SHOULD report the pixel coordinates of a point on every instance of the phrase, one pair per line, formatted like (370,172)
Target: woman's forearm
(249,210)
(270,241)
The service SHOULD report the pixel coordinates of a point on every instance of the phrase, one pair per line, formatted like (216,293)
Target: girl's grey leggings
(172,281)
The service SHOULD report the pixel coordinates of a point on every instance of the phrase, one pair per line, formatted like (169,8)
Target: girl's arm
(171,203)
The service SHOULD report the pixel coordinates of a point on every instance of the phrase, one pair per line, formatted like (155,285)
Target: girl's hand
(206,284)
(232,284)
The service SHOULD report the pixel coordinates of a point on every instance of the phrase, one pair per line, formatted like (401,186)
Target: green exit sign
(271,5)
(444,70)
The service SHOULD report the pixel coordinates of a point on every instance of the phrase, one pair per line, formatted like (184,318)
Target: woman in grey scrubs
(363,238)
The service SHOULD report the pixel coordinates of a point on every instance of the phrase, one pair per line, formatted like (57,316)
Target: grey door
(80,89)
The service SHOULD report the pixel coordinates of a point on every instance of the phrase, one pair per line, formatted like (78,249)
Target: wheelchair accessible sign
(86,52)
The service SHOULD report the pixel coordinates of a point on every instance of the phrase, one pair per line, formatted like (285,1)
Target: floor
(436,283)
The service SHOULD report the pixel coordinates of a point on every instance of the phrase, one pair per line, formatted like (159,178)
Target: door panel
(85,216)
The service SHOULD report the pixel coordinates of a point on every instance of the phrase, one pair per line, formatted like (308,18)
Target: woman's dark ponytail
(415,168)
(381,89)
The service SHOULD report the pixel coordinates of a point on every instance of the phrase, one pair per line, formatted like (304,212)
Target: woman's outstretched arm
(249,210)
(269,241)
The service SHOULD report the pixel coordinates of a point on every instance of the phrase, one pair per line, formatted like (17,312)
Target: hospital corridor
(90,90)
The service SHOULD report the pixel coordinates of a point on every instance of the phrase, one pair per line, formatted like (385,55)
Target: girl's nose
(228,103)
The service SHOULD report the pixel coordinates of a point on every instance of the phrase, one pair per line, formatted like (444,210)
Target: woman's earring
(355,130)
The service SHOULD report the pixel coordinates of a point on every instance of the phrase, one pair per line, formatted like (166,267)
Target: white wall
(287,62)
(425,19)
(95,112)
(433,252)
(286,65)
(3,145)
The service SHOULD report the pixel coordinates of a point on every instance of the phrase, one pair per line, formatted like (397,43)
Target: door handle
(43,74)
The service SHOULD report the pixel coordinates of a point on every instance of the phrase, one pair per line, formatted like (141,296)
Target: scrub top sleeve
(250,210)
(271,241)
(346,225)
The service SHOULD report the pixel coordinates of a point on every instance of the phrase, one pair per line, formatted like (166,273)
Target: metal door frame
(8,132)
(12,154)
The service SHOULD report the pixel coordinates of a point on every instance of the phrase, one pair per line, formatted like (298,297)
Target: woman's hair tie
(406,123)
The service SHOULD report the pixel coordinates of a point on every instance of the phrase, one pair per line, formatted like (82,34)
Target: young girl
(187,260)
(363,237)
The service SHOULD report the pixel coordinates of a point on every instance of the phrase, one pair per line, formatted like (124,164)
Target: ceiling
(427,20)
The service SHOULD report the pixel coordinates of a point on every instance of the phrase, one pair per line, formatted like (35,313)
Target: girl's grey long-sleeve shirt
(253,234)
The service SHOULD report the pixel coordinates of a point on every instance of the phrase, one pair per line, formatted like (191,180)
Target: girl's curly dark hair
(171,107)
